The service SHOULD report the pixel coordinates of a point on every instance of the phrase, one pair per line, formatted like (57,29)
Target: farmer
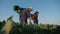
(25,14)
(35,18)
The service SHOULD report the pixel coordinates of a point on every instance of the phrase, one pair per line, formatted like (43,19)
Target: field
(11,27)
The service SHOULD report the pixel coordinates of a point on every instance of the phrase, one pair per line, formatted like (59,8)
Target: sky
(49,12)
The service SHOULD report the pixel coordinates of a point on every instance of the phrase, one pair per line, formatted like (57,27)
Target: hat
(30,7)
(36,12)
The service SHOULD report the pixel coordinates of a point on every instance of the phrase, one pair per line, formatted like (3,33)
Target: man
(35,18)
(25,14)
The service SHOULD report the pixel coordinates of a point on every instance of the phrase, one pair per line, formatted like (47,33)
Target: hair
(35,13)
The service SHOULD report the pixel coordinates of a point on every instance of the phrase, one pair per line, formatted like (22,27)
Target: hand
(29,19)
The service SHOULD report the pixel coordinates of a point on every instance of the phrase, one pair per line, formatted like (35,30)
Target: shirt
(25,14)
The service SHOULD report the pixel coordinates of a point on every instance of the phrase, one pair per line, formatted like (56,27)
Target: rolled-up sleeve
(28,14)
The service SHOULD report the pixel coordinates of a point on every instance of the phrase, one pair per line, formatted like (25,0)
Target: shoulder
(24,9)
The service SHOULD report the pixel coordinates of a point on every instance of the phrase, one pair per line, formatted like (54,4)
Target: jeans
(35,22)
(22,19)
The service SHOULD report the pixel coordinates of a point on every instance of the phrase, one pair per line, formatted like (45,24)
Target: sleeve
(28,14)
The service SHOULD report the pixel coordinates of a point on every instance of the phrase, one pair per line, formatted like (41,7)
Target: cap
(36,12)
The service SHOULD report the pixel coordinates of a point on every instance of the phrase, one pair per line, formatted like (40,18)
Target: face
(30,9)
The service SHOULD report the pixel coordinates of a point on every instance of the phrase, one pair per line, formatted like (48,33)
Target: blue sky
(49,12)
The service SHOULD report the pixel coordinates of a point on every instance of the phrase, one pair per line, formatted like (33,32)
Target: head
(30,8)
(36,12)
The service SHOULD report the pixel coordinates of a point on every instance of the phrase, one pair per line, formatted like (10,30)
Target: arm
(28,14)
(18,11)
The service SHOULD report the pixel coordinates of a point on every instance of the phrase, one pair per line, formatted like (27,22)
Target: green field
(22,28)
